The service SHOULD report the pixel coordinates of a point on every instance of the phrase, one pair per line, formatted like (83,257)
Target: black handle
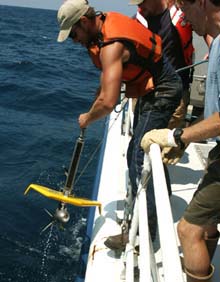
(74,162)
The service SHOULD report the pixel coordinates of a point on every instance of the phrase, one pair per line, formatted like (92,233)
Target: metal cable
(99,144)
(191,66)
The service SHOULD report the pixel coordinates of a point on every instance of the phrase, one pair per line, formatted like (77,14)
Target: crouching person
(197,229)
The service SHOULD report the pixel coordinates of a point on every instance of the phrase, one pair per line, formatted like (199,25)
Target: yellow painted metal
(59,196)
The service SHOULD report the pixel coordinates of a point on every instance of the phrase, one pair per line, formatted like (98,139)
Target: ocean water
(44,86)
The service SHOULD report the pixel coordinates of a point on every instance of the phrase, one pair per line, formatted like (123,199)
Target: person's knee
(189,232)
(181,229)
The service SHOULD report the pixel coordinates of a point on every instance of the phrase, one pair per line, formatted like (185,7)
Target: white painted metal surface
(172,270)
(104,264)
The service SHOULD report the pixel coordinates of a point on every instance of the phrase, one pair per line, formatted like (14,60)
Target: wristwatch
(177,137)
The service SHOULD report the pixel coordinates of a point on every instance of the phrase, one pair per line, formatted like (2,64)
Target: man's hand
(171,155)
(84,120)
(162,137)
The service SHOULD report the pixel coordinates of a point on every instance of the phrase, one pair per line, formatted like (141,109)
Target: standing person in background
(197,229)
(124,51)
(167,20)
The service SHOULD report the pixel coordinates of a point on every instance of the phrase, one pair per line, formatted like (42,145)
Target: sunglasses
(72,33)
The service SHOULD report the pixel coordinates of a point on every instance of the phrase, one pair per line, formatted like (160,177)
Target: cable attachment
(66,196)
(61,214)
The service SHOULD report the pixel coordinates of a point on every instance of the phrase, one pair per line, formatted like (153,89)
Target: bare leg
(192,238)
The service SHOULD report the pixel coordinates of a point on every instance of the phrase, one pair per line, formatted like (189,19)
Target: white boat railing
(148,270)
(168,241)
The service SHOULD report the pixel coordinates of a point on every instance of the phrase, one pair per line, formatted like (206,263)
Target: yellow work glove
(162,137)
(171,155)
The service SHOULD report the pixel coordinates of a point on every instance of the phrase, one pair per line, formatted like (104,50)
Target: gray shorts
(204,208)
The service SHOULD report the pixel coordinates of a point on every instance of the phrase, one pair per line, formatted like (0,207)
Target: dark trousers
(150,113)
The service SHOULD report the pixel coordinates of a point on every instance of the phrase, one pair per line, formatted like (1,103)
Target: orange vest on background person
(184,30)
(142,44)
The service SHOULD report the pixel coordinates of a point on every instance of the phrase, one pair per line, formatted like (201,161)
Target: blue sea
(44,86)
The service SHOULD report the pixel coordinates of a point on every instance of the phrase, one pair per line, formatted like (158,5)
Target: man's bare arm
(202,130)
(111,57)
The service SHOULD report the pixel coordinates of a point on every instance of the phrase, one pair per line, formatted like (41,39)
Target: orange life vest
(142,44)
(184,29)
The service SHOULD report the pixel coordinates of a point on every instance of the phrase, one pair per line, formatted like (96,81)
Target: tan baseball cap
(135,2)
(68,14)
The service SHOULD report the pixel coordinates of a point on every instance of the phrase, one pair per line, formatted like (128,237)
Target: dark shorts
(204,208)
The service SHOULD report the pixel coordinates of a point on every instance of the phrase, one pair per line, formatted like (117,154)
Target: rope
(99,144)
(191,66)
